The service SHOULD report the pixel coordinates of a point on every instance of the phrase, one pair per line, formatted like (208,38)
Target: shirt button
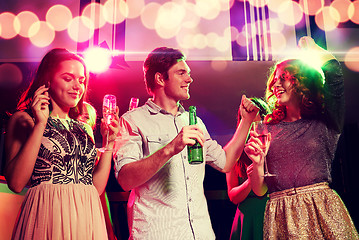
(185,157)
(190,200)
(187,178)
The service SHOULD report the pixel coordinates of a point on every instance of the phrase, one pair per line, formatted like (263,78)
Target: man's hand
(187,136)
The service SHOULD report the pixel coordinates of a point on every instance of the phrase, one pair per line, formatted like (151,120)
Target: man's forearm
(137,173)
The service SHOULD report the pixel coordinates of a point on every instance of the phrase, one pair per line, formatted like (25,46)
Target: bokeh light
(231,33)
(199,41)
(26,19)
(212,39)
(351,59)
(274,5)
(81,29)
(222,44)
(191,19)
(95,12)
(149,15)
(10,25)
(278,43)
(311,7)
(42,34)
(115,11)
(276,25)
(327,19)
(184,38)
(342,6)
(10,76)
(219,64)
(241,39)
(59,17)
(135,8)
(207,9)
(226,4)
(354,12)
(290,13)
(169,18)
(98,59)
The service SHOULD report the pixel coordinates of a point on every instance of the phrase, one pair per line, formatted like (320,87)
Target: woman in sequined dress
(47,148)
(304,128)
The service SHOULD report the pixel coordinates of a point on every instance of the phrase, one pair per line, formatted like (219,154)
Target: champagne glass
(133,103)
(264,140)
(108,111)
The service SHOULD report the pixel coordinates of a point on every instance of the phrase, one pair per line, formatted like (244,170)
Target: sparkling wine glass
(108,111)
(133,103)
(264,139)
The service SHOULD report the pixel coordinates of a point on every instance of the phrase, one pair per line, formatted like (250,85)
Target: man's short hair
(160,60)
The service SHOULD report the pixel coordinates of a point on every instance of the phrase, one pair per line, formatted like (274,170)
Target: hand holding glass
(108,111)
(264,140)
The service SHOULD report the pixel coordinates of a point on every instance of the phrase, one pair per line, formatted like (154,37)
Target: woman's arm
(22,144)
(237,192)
(333,86)
(23,140)
(234,147)
(103,167)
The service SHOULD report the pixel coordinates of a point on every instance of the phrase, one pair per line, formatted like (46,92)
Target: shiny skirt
(310,212)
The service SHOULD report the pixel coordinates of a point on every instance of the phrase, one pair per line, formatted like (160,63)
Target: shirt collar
(155,109)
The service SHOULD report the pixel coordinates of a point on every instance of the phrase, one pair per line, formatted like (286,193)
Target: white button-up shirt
(171,205)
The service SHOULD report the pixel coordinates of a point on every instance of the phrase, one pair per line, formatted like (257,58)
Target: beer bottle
(195,152)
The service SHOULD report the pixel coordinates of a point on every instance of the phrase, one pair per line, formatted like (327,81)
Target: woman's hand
(247,110)
(40,105)
(111,129)
(256,149)
(308,43)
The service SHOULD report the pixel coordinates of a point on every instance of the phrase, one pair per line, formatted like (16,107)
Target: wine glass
(108,111)
(264,140)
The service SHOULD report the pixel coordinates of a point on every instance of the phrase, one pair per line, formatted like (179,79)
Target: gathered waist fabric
(299,190)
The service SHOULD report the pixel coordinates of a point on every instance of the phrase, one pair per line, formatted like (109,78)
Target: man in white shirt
(167,199)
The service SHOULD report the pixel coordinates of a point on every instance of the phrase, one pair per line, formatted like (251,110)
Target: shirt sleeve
(128,146)
(334,95)
(214,153)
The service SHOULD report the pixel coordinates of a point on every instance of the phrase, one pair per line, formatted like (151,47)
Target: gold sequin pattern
(311,212)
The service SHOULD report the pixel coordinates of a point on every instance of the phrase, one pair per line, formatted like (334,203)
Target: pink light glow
(81,29)
(354,12)
(26,19)
(327,19)
(342,6)
(10,25)
(94,12)
(311,7)
(59,17)
(351,59)
(41,34)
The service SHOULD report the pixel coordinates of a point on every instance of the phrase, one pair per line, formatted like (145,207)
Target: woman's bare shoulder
(21,119)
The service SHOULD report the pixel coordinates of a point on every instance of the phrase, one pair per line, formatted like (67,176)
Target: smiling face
(283,88)
(178,82)
(67,85)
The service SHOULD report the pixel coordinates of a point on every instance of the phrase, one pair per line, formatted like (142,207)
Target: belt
(294,191)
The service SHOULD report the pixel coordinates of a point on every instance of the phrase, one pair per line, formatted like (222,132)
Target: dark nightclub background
(216,91)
